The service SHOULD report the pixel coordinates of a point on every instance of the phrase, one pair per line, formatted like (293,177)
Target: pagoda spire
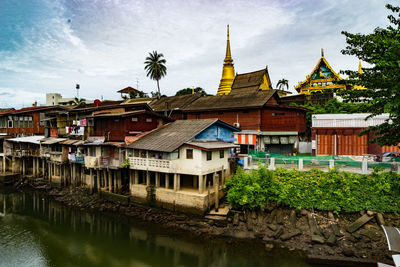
(359,67)
(228,71)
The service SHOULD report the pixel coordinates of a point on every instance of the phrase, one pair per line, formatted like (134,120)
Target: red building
(266,125)
(337,134)
(25,121)
(127,125)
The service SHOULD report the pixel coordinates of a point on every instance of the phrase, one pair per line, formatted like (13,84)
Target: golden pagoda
(359,87)
(228,71)
(321,80)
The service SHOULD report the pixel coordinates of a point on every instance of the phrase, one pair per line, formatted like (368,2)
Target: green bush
(333,190)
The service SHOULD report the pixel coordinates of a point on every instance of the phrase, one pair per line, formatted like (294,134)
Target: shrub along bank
(333,190)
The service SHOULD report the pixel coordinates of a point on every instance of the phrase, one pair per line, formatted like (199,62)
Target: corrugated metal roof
(51,140)
(171,136)
(173,102)
(243,98)
(35,139)
(211,144)
(72,142)
(356,120)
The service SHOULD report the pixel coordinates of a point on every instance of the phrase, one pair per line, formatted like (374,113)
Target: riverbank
(322,236)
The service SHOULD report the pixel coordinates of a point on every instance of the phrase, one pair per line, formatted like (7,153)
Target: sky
(48,46)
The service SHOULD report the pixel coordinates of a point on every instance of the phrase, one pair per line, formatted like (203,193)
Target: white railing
(142,163)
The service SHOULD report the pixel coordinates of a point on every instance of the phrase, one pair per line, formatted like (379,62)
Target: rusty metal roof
(173,102)
(171,136)
(241,99)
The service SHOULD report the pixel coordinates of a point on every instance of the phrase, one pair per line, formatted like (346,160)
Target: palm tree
(155,67)
(282,83)
(78,101)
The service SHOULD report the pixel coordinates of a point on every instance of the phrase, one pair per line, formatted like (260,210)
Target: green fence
(313,160)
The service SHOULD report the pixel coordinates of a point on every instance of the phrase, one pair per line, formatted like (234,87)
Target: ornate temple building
(255,80)
(321,80)
(228,71)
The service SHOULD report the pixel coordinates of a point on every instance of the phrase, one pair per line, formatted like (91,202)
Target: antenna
(77,90)
(137,83)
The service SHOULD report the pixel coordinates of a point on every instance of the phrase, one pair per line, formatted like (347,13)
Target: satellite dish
(97,103)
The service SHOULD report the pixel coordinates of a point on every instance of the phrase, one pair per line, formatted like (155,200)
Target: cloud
(102,44)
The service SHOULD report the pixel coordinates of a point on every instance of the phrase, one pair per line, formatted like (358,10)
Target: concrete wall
(199,165)
(176,200)
(305,147)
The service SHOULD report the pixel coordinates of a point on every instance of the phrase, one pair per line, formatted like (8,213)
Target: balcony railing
(151,164)
(102,162)
(56,157)
(76,159)
(22,152)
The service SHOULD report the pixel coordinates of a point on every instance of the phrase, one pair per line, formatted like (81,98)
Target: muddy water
(37,231)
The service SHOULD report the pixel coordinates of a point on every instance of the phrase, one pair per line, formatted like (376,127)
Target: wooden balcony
(102,162)
(56,157)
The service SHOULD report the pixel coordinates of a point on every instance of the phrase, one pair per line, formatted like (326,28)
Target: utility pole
(77,91)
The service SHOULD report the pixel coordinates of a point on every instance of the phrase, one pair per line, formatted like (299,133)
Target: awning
(51,140)
(211,145)
(245,139)
(35,139)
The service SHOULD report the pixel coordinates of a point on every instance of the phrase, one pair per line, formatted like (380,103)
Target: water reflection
(37,231)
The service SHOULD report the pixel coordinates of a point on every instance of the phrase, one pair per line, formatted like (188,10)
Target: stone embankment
(354,239)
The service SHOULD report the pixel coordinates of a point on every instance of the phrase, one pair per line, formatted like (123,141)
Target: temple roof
(252,80)
(322,71)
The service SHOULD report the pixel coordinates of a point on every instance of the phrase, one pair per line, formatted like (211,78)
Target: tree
(79,101)
(282,83)
(132,95)
(155,94)
(189,91)
(381,49)
(332,106)
(155,68)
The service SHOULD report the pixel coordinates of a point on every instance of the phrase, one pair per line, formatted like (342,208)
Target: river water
(38,231)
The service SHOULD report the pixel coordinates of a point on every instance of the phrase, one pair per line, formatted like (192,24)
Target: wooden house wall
(36,130)
(115,129)
(347,142)
(248,119)
(280,119)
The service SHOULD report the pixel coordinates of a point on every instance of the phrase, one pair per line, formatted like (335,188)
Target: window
(92,151)
(10,122)
(26,124)
(278,114)
(189,153)
(30,122)
(143,154)
(220,112)
(16,120)
(221,154)
(134,119)
(136,153)
(245,111)
(41,119)
(209,155)
(149,120)
(3,122)
(197,116)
